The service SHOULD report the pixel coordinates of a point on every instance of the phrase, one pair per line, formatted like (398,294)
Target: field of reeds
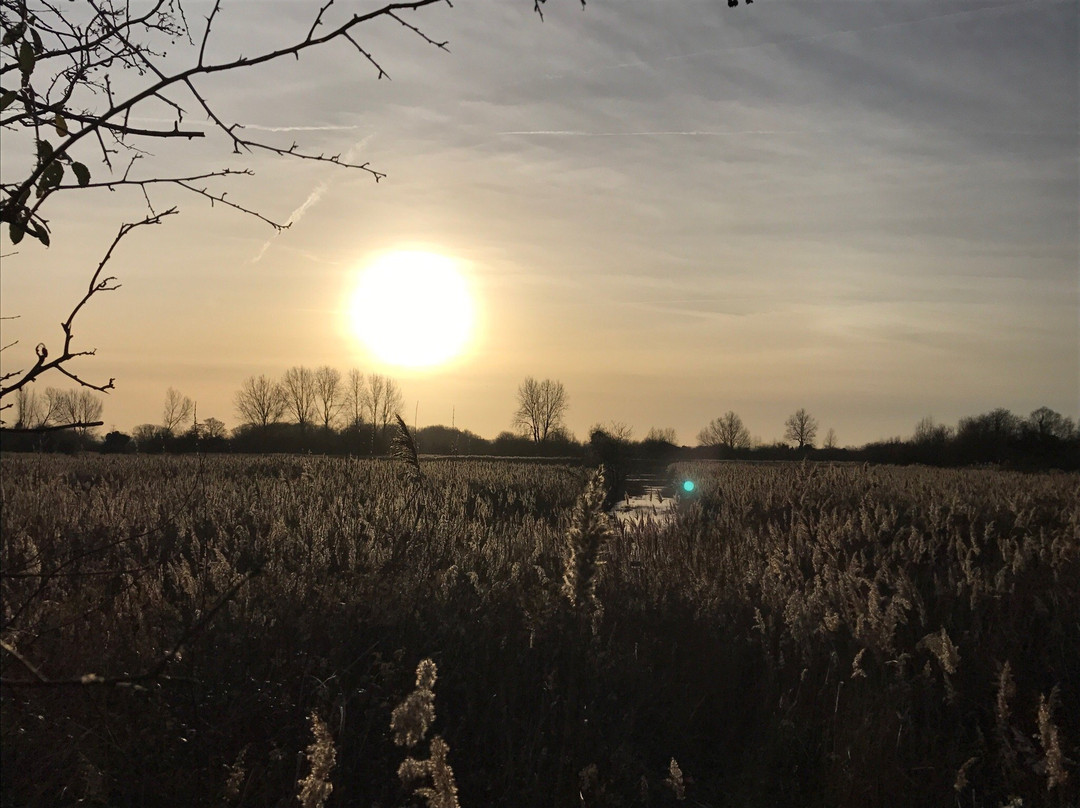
(183,631)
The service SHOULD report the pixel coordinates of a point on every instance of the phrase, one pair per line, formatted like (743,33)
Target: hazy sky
(867,208)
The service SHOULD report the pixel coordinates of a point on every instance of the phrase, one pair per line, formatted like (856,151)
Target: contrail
(663,133)
(296,215)
(312,198)
(327,128)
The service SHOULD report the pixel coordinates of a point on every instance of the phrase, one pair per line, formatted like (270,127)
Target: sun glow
(413,309)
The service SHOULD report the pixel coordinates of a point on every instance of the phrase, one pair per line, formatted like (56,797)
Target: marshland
(246,283)
(191,630)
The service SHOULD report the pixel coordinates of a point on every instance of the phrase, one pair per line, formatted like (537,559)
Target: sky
(864,208)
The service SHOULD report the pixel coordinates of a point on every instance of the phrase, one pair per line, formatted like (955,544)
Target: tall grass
(833,636)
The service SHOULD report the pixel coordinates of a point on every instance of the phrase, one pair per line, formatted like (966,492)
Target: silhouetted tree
(986,438)
(177,410)
(541,408)
(660,448)
(512,444)
(615,454)
(298,389)
(117,443)
(392,402)
(616,429)
(355,397)
(260,401)
(726,431)
(213,428)
(56,410)
(354,412)
(77,409)
(1045,424)
(445,440)
(329,394)
(28,413)
(929,433)
(49,414)
(801,427)
(665,434)
(376,385)
(150,438)
(830,439)
(383,399)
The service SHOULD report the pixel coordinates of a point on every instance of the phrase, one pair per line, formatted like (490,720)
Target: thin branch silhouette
(97,285)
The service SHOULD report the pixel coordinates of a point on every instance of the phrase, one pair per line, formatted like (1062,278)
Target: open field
(793,635)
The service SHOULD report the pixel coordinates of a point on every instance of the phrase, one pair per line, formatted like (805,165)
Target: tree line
(322,410)
(306,409)
(1042,438)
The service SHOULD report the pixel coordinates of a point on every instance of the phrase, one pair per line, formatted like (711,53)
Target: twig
(97,284)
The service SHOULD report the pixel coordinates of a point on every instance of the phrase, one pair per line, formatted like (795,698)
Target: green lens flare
(688,486)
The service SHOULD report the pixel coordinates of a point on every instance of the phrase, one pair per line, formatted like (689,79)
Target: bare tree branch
(10,430)
(14,207)
(97,284)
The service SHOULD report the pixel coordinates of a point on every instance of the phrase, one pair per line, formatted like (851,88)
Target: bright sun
(413,309)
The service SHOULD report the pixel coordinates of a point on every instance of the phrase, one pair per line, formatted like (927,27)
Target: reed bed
(239,631)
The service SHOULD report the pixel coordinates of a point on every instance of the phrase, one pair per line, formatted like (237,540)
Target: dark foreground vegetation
(797,635)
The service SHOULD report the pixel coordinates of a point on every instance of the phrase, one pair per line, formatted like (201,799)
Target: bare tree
(213,428)
(83,409)
(260,401)
(541,408)
(665,434)
(727,431)
(298,389)
(928,432)
(802,428)
(149,436)
(356,397)
(830,439)
(392,402)
(1045,423)
(178,409)
(64,409)
(376,385)
(329,394)
(620,430)
(382,398)
(995,427)
(28,413)
(51,407)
